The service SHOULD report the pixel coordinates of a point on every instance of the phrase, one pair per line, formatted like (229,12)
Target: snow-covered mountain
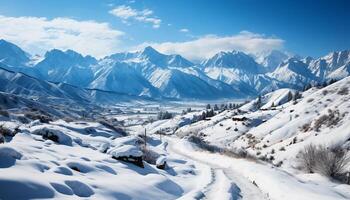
(121,77)
(171,76)
(20,84)
(233,60)
(334,65)
(12,55)
(66,66)
(295,73)
(151,56)
(240,70)
(153,74)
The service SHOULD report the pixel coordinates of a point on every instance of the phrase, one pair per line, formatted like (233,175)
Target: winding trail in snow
(223,180)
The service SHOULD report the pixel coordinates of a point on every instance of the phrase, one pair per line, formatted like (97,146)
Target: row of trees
(204,115)
(320,85)
(164,115)
(227,106)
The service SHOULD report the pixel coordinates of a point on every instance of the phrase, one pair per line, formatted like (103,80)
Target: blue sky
(195,28)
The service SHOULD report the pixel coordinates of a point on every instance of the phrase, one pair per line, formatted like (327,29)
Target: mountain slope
(177,84)
(334,65)
(121,77)
(68,67)
(295,73)
(12,55)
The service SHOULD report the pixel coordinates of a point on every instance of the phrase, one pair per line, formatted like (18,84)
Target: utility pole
(145,139)
(160,135)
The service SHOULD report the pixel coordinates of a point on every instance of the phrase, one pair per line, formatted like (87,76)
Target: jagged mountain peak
(233,59)
(68,54)
(272,59)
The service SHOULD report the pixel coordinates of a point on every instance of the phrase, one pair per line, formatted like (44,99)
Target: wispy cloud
(206,46)
(184,30)
(40,34)
(128,14)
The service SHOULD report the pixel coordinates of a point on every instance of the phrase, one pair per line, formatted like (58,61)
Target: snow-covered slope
(272,99)
(320,117)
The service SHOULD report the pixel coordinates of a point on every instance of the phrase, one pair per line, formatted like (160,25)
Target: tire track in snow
(239,187)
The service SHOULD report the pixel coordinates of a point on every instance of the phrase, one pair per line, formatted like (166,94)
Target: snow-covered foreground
(92,159)
(79,166)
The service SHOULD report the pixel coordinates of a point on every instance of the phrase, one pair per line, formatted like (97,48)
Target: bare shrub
(149,155)
(306,127)
(307,158)
(2,138)
(41,117)
(329,162)
(325,92)
(343,91)
(235,153)
(8,132)
(330,119)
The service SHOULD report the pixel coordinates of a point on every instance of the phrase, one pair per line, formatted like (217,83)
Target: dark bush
(37,116)
(306,127)
(343,91)
(310,100)
(330,119)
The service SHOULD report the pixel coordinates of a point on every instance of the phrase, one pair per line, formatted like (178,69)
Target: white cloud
(207,46)
(184,30)
(127,14)
(36,35)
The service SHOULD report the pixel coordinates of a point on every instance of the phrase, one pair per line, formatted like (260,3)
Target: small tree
(216,107)
(296,96)
(208,106)
(308,86)
(230,106)
(290,96)
(258,102)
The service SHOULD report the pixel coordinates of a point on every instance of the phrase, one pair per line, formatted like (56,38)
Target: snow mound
(53,134)
(8,157)
(126,151)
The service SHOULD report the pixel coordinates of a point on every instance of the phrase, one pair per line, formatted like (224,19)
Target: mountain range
(149,73)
